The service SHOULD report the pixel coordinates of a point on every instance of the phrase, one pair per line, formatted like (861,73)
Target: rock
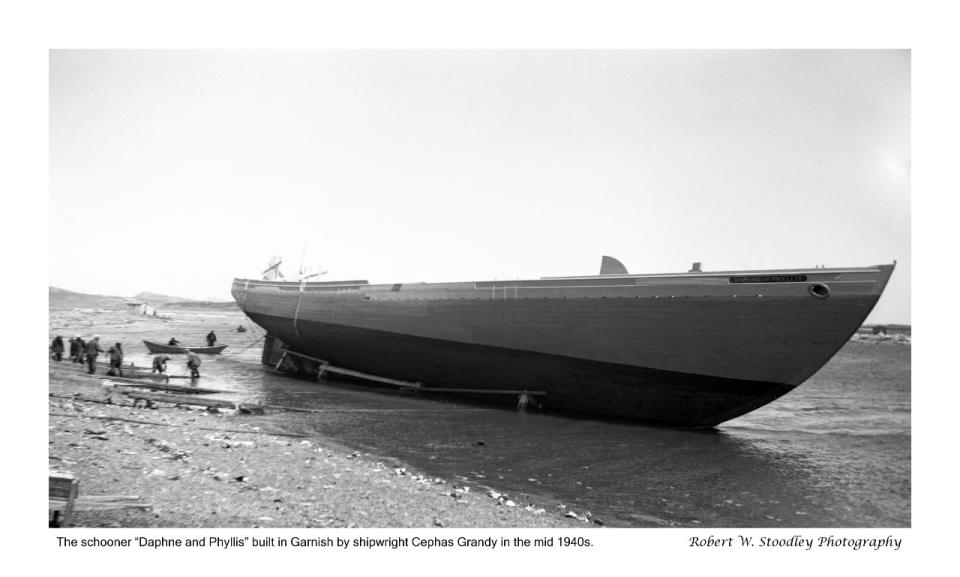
(240,479)
(509,503)
(493,494)
(220,476)
(156,473)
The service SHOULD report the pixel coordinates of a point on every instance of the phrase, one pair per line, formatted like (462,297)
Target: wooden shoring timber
(162,387)
(189,400)
(327,367)
(369,377)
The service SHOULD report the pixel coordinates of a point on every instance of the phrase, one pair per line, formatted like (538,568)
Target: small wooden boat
(181,349)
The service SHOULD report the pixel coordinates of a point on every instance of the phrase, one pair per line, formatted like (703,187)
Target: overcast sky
(183,170)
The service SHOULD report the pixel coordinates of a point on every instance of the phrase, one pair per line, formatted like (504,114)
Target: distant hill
(155,298)
(61,298)
(172,302)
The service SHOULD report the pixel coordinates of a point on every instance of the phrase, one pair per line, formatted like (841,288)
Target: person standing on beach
(211,339)
(193,363)
(92,349)
(160,364)
(76,349)
(57,348)
(116,360)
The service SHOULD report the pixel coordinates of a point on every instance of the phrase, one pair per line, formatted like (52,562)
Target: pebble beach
(196,467)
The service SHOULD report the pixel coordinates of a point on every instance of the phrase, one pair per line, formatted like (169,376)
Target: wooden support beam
(369,377)
(137,372)
(139,383)
(191,400)
(327,367)
(303,356)
(109,502)
(163,387)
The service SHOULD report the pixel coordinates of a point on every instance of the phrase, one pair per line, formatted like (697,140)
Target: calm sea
(835,452)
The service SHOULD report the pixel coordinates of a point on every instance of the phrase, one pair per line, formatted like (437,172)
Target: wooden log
(327,367)
(109,502)
(164,387)
(137,373)
(369,377)
(188,400)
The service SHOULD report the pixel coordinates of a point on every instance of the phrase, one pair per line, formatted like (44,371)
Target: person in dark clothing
(160,364)
(193,363)
(211,339)
(77,347)
(174,342)
(92,349)
(57,348)
(116,360)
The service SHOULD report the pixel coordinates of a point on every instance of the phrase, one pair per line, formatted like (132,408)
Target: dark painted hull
(679,350)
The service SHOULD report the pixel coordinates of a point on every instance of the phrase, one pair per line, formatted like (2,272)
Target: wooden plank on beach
(164,387)
(189,400)
(109,502)
(137,372)
(132,381)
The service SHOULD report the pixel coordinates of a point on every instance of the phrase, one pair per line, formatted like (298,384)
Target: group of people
(87,352)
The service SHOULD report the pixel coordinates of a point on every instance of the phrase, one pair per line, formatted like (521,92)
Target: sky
(187,169)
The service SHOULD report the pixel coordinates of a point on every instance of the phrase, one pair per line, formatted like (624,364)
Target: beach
(835,452)
(195,467)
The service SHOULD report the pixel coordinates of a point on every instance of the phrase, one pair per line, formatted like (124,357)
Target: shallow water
(833,453)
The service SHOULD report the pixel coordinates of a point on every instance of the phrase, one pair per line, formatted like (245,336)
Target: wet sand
(197,468)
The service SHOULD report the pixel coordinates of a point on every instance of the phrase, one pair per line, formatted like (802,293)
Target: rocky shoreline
(201,468)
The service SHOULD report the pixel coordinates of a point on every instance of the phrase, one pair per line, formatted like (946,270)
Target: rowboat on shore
(156,348)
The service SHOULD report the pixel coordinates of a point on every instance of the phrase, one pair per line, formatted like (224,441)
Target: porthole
(819,290)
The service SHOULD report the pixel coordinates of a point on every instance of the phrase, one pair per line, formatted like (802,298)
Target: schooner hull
(689,350)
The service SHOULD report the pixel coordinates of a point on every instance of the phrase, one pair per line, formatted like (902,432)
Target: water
(833,453)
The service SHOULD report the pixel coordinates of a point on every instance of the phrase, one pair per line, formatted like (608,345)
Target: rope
(246,347)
